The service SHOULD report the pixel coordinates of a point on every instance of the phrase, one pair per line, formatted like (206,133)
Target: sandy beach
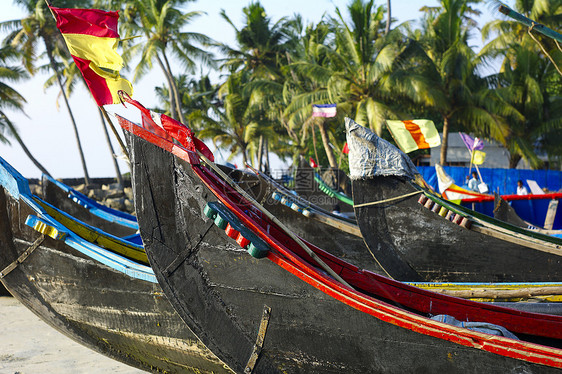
(30,346)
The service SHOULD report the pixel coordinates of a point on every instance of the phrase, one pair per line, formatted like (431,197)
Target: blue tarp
(503,181)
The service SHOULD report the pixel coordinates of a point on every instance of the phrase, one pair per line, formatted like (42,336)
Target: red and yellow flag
(91,36)
(414,134)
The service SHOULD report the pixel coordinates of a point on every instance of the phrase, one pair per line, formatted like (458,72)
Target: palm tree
(235,127)
(261,51)
(523,83)
(162,22)
(359,67)
(527,82)
(262,45)
(372,71)
(465,101)
(198,97)
(71,75)
(39,26)
(307,84)
(12,100)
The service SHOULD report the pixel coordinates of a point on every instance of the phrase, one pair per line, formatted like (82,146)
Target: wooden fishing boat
(335,234)
(262,303)
(307,186)
(129,246)
(415,233)
(324,187)
(543,211)
(87,210)
(99,299)
(539,296)
(536,211)
(339,236)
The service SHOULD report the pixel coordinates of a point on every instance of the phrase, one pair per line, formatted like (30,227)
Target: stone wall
(103,190)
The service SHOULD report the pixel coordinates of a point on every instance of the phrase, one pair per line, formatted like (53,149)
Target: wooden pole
(491,293)
(530,23)
(471,157)
(479,175)
(314,146)
(121,144)
(113,158)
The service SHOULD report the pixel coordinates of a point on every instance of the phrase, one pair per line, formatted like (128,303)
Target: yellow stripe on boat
(130,251)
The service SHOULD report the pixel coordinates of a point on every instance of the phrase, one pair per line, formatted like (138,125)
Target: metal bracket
(22,257)
(259,340)
(175,264)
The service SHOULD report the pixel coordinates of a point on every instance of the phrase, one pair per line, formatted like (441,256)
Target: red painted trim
(174,149)
(547,196)
(286,256)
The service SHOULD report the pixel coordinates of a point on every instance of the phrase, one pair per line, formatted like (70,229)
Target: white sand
(29,346)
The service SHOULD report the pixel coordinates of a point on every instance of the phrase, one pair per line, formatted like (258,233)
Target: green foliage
(278,68)
(10,99)
(528,85)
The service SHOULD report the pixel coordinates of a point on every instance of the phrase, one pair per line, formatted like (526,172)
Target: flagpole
(479,175)
(530,23)
(121,144)
(314,145)
(471,152)
(341,156)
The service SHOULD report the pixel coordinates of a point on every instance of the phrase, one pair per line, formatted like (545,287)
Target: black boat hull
(408,238)
(127,319)
(221,292)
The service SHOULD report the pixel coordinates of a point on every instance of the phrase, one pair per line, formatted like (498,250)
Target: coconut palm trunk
(326,143)
(260,152)
(14,132)
(244,156)
(388,17)
(514,159)
(170,80)
(108,140)
(174,88)
(75,127)
(444,141)
(266,150)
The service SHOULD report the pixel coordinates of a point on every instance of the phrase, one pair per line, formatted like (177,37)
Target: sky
(46,128)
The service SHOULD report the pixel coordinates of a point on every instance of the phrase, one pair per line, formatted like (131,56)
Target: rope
(387,200)
(544,50)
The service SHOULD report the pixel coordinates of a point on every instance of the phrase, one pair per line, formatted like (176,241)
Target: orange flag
(91,36)
(414,134)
